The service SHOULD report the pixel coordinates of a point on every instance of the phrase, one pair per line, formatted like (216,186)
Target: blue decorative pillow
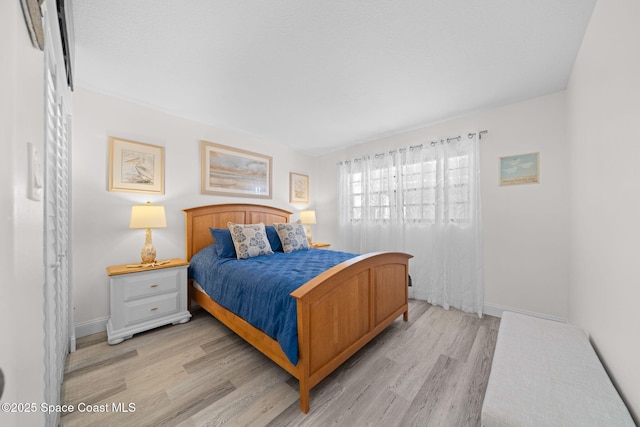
(274,239)
(292,235)
(249,240)
(223,242)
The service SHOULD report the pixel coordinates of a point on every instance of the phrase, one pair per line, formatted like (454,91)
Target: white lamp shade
(308,217)
(147,216)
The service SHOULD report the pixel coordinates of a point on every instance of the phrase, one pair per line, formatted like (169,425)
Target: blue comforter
(257,289)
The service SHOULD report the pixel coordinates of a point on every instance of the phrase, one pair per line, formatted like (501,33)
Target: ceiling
(320,75)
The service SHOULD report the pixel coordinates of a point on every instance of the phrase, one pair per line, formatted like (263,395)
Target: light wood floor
(431,370)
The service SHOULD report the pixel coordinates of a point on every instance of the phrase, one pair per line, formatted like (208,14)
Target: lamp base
(309,234)
(148,252)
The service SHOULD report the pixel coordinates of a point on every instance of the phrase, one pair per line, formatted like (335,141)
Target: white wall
(604,106)
(101,234)
(526,227)
(21,255)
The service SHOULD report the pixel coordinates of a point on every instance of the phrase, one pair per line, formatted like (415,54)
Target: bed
(337,311)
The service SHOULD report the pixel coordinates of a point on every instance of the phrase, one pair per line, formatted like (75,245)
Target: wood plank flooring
(429,371)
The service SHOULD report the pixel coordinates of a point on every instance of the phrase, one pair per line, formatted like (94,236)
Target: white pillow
(249,240)
(292,235)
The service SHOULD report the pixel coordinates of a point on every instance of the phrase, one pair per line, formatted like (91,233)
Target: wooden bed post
(304,348)
(304,396)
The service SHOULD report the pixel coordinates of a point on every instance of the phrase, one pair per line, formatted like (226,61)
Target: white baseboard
(98,325)
(91,327)
(497,310)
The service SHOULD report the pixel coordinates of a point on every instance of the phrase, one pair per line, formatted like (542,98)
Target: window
(377,192)
(420,191)
(459,195)
(426,191)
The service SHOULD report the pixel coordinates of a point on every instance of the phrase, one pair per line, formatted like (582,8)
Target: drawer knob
(153,286)
(154,308)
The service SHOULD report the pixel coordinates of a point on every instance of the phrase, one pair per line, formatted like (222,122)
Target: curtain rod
(432,143)
(457,138)
(454,138)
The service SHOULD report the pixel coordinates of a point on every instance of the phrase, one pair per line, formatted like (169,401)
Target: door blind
(57,320)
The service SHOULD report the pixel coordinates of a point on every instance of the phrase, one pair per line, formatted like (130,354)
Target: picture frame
(520,169)
(231,171)
(135,167)
(298,188)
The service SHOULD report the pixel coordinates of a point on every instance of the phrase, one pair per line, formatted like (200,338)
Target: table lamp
(148,216)
(308,218)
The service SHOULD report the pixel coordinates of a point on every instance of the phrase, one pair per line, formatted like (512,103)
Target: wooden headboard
(200,219)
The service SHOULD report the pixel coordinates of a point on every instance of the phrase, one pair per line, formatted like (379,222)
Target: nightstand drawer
(151,284)
(150,308)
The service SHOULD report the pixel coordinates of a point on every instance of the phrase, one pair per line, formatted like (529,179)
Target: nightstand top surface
(115,270)
(319,245)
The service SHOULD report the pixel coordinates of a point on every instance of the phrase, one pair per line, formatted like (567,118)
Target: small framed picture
(520,169)
(298,188)
(233,172)
(135,167)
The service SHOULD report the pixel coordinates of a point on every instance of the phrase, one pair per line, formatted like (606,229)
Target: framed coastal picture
(298,188)
(233,172)
(135,167)
(520,169)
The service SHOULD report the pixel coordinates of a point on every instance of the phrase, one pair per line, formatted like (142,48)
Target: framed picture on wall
(233,172)
(298,188)
(519,169)
(135,167)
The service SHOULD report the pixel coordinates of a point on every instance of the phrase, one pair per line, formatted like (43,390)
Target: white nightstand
(146,297)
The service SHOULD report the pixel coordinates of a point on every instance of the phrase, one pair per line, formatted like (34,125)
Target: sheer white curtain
(425,201)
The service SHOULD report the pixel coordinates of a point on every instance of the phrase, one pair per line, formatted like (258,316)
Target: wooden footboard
(345,307)
(339,311)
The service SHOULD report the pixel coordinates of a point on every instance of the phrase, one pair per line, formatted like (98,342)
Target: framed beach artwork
(135,167)
(298,188)
(233,172)
(520,169)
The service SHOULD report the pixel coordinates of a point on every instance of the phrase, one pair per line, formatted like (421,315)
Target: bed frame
(339,311)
